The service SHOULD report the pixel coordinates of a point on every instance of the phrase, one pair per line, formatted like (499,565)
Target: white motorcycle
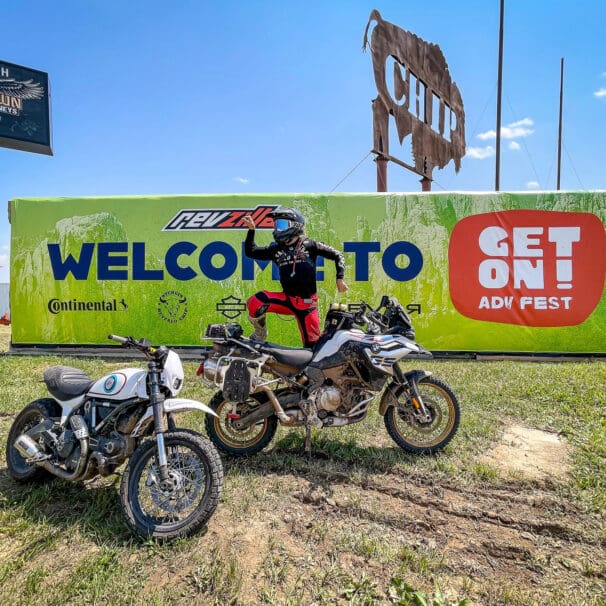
(172,482)
(356,359)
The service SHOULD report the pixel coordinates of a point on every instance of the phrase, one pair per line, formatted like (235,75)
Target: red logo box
(527,267)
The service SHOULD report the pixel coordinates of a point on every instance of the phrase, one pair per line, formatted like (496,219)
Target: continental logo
(58,306)
(197,219)
(527,267)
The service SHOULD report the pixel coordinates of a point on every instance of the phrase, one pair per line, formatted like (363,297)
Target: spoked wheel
(182,504)
(416,435)
(239,442)
(29,417)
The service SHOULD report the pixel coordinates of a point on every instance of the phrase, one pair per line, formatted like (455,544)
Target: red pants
(305,311)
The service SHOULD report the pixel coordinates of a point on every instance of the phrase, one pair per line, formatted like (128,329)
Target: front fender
(180,404)
(170,405)
(393,391)
(414,376)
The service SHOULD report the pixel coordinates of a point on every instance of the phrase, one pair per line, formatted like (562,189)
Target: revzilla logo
(528,267)
(56,306)
(195,219)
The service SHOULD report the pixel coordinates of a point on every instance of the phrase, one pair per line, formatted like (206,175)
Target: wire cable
(573,168)
(351,171)
(515,119)
(474,130)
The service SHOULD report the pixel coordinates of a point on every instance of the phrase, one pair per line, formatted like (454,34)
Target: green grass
(351,526)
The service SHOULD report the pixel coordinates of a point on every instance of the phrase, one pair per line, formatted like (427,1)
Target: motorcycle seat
(292,356)
(65,382)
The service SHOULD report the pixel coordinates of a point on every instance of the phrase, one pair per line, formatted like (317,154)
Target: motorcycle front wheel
(239,442)
(182,505)
(416,435)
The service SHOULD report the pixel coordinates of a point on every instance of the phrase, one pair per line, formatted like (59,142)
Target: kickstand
(308,440)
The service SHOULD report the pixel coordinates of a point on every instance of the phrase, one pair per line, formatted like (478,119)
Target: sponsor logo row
(172,306)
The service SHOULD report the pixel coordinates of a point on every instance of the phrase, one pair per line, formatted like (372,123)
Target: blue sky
(151,97)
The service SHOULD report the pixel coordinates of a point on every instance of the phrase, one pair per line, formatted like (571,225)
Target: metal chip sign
(24,109)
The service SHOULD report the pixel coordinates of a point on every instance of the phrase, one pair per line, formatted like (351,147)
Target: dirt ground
(301,537)
(516,542)
(532,453)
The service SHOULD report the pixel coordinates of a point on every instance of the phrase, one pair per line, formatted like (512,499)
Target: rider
(295,255)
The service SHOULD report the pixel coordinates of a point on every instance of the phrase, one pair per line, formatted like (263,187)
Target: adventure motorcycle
(171,484)
(332,385)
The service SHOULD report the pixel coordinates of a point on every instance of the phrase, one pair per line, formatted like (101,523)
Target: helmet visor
(282,224)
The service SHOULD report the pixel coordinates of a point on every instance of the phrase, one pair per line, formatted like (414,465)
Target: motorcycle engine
(65,444)
(328,398)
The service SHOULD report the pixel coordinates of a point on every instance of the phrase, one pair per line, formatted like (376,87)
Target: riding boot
(260,326)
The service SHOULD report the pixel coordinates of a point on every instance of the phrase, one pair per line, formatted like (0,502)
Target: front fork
(411,379)
(157,402)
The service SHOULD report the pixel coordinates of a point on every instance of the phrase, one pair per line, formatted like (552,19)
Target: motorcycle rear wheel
(35,412)
(236,442)
(425,438)
(196,474)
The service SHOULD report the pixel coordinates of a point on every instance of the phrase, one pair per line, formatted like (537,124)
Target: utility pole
(560,122)
(497,181)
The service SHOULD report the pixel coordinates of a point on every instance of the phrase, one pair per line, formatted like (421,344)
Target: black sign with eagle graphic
(24,109)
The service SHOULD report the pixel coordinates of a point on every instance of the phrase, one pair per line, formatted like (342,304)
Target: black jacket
(297,262)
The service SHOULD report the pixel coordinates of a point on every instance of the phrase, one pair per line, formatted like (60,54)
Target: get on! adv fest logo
(528,267)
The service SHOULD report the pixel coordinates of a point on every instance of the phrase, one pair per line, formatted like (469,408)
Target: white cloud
(532,184)
(511,131)
(522,122)
(514,145)
(3,260)
(480,153)
(600,93)
(489,134)
(242,180)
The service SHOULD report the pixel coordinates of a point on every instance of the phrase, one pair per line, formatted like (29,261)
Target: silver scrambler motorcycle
(172,482)
(356,359)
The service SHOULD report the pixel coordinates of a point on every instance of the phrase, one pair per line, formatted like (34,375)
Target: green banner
(479,272)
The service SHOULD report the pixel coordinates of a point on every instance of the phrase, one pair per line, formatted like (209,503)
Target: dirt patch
(329,526)
(535,454)
(5,337)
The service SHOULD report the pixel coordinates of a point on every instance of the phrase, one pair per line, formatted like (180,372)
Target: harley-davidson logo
(231,307)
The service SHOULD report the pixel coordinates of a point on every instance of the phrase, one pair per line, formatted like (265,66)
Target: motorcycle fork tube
(157,401)
(415,396)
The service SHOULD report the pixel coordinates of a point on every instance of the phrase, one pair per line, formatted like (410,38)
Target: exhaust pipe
(30,450)
(278,410)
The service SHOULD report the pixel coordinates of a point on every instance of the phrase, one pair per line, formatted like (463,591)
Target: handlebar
(142,344)
(389,318)
(122,340)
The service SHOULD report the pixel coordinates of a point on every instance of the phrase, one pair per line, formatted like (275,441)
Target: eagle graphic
(27,89)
